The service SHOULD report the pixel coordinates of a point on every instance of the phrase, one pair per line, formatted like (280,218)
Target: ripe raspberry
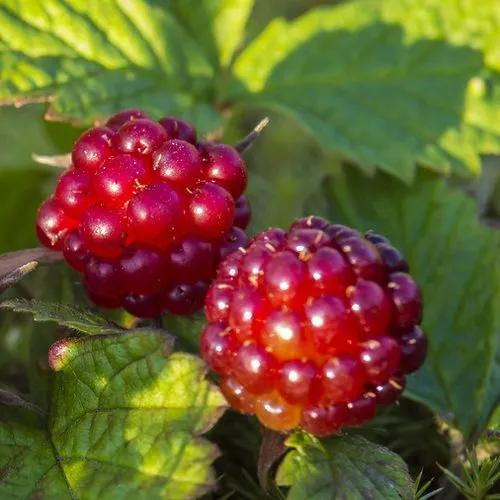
(146,213)
(313,327)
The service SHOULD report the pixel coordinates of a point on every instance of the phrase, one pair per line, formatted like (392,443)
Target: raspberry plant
(308,312)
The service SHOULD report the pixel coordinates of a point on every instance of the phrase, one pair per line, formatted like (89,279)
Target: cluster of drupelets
(313,327)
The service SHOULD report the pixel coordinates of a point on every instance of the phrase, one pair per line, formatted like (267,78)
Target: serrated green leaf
(217,25)
(73,317)
(373,82)
(455,261)
(343,467)
(116,55)
(126,421)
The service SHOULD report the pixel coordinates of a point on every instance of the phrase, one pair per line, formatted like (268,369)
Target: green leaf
(374,83)
(116,55)
(126,421)
(217,25)
(455,261)
(346,467)
(67,315)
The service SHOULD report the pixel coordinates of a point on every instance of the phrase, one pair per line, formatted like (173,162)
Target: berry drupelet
(313,327)
(146,212)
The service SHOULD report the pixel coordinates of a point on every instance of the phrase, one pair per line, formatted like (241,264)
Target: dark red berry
(380,359)
(103,278)
(141,136)
(413,346)
(103,231)
(73,193)
(283,279)
(299,382)
(338,233)
(375,238)
(191,260)
(229,267)
(143,270)
(185,299)
(218,300)
(226,169)
(305,241)
(144,306)
(255,368)
(343,378)
(311,222)
(75,252)
(323,420)
(234,239)
(210,211)
(178,129)
(251,268)
(361,410)
(127,115)
(364,259)
(275,237)
(406,298)
(92,148)
(157,211)
(388,392)
(328,272)
(103,302)
(218,345)
(247,312)
(392,258)
(242,212)
(178,163)
(119,178)
(52,224)
(370,306)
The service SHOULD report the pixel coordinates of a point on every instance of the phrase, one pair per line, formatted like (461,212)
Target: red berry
(229,267)
(178,163)
(328,272)
(52,224)
(323,420)
(255,368)
(104,302)
(237,396)
(311,222)
(185,299)
(282,335)
(127,115)
(74,251)
(388,392)
(103,231)
(119,178)
(305,241)
(283,279)
(92,148)
(338,233)
(191,260)
(144,306)
(218,300)
(157,211)
(392,258)
(413,346)
(361,410)
(178,129)
(364,258)
(343,378)
(299,382)
(330,326)
(234,239)
(242,212)
(73,192)
(275,413)
(370,306)
(103,278)
(274,237)
(380,358)
(406,298)
(218,345)
(141,136)
(210,211)
(375,238)
(251,268)
(247,312)
(143,270)
(226,169)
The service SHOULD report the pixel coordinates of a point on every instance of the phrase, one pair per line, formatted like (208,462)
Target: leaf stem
(247,141)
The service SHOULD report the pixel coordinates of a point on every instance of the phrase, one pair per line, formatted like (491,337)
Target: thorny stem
(250,138)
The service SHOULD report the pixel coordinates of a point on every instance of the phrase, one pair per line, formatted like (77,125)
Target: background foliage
(382,112)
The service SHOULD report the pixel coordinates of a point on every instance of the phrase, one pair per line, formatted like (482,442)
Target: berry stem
(247,141)
(59,161)
(158,322)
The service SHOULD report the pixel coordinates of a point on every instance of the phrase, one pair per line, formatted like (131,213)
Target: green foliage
(124,411)
(342,467)
(455,262)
